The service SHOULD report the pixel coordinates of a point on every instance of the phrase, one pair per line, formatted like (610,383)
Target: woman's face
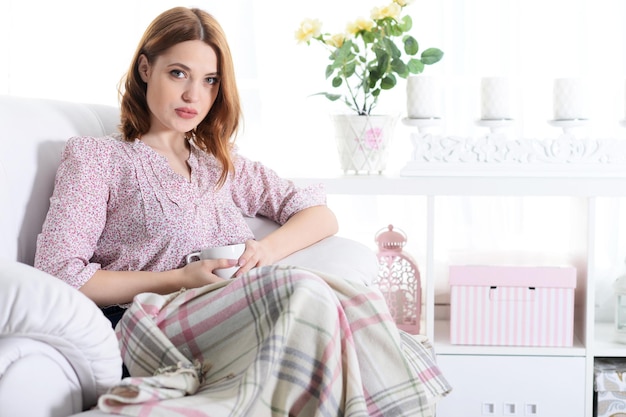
(182,85)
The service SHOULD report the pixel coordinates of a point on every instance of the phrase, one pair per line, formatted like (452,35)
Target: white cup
(220,252)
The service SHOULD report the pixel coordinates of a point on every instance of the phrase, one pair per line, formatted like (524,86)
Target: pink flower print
(373,138)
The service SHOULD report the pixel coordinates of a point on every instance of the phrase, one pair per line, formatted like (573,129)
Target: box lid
(610,374)
(513,276)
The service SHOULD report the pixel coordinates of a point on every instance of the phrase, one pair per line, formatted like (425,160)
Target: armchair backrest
(32,136)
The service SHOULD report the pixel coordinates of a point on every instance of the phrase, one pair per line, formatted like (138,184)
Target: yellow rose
(393,10)
(359,25)
(403,3)
(309,28)
(336,40)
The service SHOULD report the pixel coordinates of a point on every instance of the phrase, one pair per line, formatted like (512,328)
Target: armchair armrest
(37,307)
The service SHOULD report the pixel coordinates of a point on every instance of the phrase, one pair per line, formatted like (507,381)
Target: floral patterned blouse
(119,206)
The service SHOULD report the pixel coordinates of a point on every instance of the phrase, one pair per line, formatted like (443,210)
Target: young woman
(127,209)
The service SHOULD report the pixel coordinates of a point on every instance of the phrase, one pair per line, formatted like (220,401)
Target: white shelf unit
(592,334)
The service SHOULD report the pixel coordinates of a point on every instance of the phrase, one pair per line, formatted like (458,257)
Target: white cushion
(41,307)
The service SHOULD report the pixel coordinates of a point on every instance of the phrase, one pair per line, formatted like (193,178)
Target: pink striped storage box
(512,305)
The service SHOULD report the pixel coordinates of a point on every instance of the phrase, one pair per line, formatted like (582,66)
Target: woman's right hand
(199,273)
(120,287)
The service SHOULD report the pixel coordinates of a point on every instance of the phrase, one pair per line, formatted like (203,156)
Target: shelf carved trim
(497,153)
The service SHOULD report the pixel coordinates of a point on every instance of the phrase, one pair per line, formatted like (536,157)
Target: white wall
(77,50)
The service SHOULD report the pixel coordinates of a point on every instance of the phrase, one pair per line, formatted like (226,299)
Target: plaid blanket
(279,341)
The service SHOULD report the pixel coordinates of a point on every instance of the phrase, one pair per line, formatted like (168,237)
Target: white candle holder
(425,125)
(496,126)
(568,126)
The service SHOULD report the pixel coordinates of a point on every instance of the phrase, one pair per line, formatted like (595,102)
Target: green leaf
(337,81)
(373,78)
(400,68)
(411,47)
(349,69)
(391,47)
(343,54)
(431,56)
(329,71)
(331,97)
(415,66)
(406,23)
(388,82)
(368,37)
(383,58)
(395,30)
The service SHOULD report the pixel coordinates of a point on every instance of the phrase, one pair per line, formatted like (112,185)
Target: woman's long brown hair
(216,133)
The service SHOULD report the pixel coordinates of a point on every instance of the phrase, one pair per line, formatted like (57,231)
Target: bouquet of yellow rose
(366,60)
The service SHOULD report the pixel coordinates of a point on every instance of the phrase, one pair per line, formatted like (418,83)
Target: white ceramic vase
(363,142)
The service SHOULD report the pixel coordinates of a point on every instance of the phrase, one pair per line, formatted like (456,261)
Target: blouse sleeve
(258,190)
(77,213)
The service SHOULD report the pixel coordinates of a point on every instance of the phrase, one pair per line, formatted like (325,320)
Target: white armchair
(58,352)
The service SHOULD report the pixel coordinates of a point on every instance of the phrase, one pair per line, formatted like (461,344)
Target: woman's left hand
(256,254)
